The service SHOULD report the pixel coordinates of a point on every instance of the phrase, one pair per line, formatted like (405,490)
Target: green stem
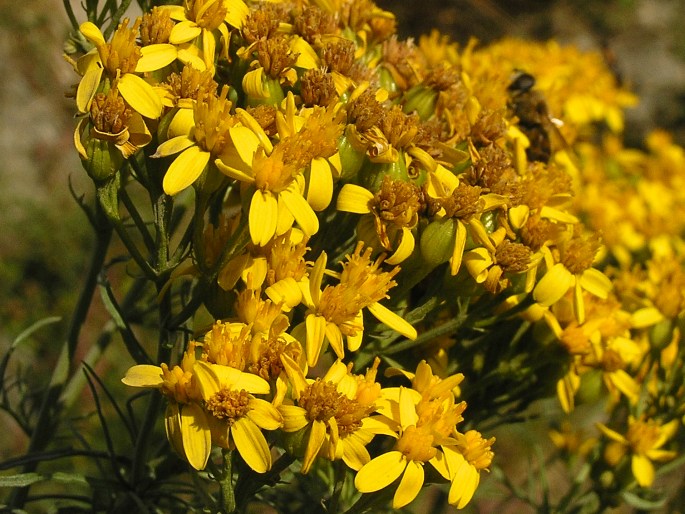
(225,480)
(334,501)
(51,405)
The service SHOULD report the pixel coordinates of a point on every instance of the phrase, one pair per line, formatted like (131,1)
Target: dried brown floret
(317,88)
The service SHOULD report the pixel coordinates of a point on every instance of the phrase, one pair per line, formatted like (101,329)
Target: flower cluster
(358,198)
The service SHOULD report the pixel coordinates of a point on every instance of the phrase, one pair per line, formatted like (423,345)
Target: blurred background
(44,237)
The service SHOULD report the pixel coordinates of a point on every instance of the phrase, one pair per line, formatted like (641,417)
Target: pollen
(286,259)
(227,344)
(317,88)
(156,27)
(464,203)
(229,405)
(123,53)
(364,276)
(476,450)
(416,444)
(274,55)
(314,23)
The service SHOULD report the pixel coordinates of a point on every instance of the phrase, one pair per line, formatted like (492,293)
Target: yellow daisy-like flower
(643,440)
(394,212)
(234,416)
(465,460)
(198,20)
(185,420)
(196,140)
(336,312)
(336,412)
(277,170)
(462,205)
(574,270)
(122,60)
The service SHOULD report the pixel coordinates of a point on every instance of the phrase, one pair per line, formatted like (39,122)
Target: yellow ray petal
(92,33)
(596,283)
(355,454)
(183,32)
(317,435)
(316,330)
(380,472)
(643,470)
(264,415)
(410,485)
(87,88)
(302,212)
(156,57)
(263,217)
(354,198)
(404,249)
(392,320)
(251,445)
(553,285)
(143,375)
(140,96)
(172,146)
(294,417)
(185,170)
(320,184)
(197,439)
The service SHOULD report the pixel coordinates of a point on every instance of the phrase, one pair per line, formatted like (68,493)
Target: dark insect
(529,106)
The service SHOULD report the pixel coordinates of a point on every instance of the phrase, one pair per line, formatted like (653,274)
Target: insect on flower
(530,107)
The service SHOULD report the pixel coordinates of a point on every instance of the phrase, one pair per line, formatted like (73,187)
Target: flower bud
(437,242)
(372,173)
(420,99)
(103,159)
(351,158)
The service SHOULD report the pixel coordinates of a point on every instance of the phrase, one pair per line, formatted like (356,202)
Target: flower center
(212,120)
(416,444)
(229,405)
(122,54)
(578,254)
(109,113)
(156,27)
(642,436)
(323,401)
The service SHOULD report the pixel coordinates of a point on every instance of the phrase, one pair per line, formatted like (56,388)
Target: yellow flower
(276,170)
(465,460)
(197,140)
(198,20)
(234,416)
(336,412)
(337,310)
(185,420)
(122,59)
(462,205)
(643,440)
(394,212)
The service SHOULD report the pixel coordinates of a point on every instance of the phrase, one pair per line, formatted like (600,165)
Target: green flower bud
(420,99)
(437,242)
(104,159)
(351,158)
(661,334)
(372,173)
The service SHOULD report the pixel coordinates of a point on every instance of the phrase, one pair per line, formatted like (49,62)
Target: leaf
(642,503)
(21,480)
(34,328)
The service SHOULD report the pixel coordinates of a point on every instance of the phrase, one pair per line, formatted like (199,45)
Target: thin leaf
(132,345)
(21,480)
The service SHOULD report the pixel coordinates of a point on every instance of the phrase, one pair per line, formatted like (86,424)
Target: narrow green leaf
(21,480)
(34,328)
